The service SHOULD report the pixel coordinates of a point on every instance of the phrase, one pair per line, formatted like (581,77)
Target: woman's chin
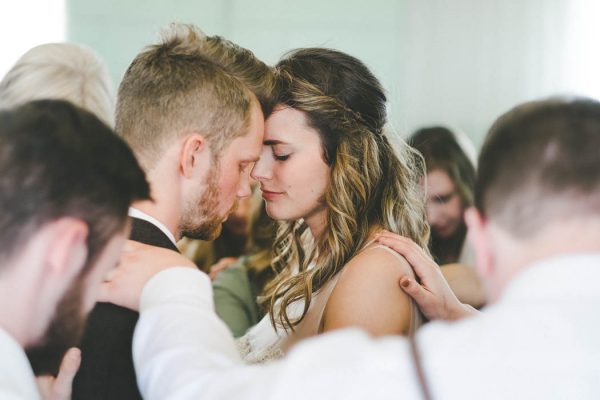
(280,215)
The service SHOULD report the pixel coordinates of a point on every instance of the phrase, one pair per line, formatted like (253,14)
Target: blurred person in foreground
(62,71)
(59,237)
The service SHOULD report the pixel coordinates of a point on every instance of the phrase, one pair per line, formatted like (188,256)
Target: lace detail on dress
(257,356)
(263,343)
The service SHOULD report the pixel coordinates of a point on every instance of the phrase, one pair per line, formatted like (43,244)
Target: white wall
(27,23)
(459,62)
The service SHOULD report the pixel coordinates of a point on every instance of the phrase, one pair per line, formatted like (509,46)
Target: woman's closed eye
(281,157)
(281,151)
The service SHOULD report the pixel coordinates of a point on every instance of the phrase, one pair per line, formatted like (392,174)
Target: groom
(196,130)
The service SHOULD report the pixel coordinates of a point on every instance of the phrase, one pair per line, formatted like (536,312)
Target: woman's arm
(367,295)
(433,295)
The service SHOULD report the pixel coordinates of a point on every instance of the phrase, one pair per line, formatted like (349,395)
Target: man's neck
(165,205)
(16,310)
(7,324)
(571,236)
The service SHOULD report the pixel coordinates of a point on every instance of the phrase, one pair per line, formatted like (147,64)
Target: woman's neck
(317,222)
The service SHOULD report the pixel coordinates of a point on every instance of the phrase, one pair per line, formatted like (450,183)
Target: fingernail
(74,356)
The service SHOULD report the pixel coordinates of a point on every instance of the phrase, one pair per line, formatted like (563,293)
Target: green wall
(459,62)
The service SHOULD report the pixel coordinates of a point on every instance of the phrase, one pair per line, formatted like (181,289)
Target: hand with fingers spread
(433,295)
(139,262)
(60,388)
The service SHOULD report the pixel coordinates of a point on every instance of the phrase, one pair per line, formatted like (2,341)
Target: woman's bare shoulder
(367,294)
(376,261)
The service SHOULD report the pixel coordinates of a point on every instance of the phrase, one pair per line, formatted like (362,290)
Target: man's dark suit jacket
(107,371)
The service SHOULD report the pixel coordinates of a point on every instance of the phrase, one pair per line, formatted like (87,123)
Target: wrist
(460,311)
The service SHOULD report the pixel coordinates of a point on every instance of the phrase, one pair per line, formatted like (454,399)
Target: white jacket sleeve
(183,351)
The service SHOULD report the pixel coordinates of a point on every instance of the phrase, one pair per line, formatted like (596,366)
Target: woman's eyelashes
(280,154)
(281,157)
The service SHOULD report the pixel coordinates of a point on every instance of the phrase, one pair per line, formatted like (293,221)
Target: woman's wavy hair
(372,184)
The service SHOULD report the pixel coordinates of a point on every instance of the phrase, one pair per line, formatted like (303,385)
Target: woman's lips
(269,195)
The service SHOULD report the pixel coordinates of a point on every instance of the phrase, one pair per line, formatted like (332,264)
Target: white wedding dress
(263,343)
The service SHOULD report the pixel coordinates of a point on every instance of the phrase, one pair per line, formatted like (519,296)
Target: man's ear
(67,251)
(194,153)
(478,236)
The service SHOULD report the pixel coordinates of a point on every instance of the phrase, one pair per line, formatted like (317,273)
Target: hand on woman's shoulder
(367,294)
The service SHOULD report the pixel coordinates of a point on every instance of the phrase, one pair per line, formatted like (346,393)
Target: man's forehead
(256,132)
(248,146)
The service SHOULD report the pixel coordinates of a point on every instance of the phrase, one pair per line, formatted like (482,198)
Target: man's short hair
(242,64)
(539,163)
(58,160)
(64,71)
(171,89)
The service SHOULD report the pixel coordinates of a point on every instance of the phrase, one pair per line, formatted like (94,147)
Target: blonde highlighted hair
(372,185)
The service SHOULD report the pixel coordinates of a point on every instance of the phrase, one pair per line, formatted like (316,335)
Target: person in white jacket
(536,232)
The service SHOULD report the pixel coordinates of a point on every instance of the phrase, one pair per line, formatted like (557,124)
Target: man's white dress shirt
(16,377)
(540,341)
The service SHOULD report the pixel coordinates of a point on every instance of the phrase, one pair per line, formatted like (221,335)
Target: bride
(329,173)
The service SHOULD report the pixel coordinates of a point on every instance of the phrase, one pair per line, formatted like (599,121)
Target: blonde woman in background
(65,71)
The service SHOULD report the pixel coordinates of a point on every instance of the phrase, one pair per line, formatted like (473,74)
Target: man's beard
(65,331)
(200,219)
